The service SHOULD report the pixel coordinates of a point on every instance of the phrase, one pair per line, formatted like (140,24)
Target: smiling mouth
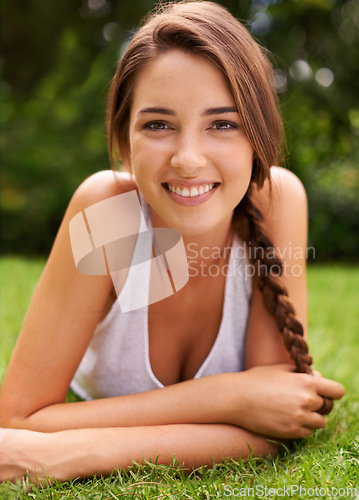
(192,192)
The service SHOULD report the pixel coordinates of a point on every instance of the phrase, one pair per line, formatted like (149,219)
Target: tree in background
(58,61)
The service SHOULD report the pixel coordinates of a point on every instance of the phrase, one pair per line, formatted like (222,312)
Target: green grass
(328,459)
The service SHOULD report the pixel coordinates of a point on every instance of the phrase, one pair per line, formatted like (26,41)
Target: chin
(195,229)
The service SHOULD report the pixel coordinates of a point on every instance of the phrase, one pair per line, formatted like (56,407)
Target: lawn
(326,465)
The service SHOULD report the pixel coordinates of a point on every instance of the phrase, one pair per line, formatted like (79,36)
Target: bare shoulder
(286,185)
(285,214)
(100,186)
(286,199)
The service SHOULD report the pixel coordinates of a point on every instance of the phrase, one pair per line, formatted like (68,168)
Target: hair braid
(248,223)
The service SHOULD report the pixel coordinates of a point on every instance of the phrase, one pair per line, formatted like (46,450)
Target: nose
(188,157)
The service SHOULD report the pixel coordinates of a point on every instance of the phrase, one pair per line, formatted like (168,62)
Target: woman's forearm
(193,401)
(191,444)
(84,452)
(267,400)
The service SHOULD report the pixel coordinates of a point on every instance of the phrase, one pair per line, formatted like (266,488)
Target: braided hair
(248,223)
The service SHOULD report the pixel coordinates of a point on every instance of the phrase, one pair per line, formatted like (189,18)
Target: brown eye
(156,126)
(222,126)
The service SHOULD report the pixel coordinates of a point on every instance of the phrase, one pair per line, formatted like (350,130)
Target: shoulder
(282,199)
(285,210)
(104,184)
(101,186)
(287,186)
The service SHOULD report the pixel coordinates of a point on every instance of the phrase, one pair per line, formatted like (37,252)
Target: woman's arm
(63,313)
(269,400)
(82,453)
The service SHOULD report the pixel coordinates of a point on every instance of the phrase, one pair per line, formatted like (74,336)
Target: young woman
(203,374)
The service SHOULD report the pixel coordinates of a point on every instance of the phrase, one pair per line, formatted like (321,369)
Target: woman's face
(188,152)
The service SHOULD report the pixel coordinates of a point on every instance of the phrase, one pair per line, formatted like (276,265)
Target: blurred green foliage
(57,64)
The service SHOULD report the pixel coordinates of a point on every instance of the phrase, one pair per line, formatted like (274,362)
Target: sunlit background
(58,59)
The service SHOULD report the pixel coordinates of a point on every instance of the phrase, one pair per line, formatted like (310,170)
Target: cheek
(143,166)
(235,149)
(245,151)
(239,170)
(245,160)
(237,162)
(148,159)
(142,150)
(138,157)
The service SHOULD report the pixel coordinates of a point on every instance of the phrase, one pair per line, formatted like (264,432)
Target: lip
(190,182)
(196,200)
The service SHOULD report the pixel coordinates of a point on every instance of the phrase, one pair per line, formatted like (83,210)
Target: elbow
(10,417)
(12,421)
(265,447)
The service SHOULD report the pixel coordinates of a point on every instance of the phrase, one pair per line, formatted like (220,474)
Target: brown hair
(210,31)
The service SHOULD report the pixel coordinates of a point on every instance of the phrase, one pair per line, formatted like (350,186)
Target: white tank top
(117,360)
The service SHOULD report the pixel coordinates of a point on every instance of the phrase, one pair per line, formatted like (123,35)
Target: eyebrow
(161,111)
(220,111)
(208,112)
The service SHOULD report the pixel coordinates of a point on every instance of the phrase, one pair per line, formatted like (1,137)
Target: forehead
(176,76)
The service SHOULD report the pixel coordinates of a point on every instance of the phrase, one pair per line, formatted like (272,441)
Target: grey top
(117,360)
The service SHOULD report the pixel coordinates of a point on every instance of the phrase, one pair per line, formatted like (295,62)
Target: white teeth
(193,192)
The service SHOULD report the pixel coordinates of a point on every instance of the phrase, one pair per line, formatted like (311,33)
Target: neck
(209,248)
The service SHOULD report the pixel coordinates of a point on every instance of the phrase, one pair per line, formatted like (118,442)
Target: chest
(183,328)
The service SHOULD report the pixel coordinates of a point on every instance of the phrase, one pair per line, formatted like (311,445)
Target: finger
(306,432)
(315,421)
(315,403)
(326,407)
(329,388)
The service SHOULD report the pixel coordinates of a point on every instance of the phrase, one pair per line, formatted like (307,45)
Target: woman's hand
(21,454)
(277,402)
(39,457)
